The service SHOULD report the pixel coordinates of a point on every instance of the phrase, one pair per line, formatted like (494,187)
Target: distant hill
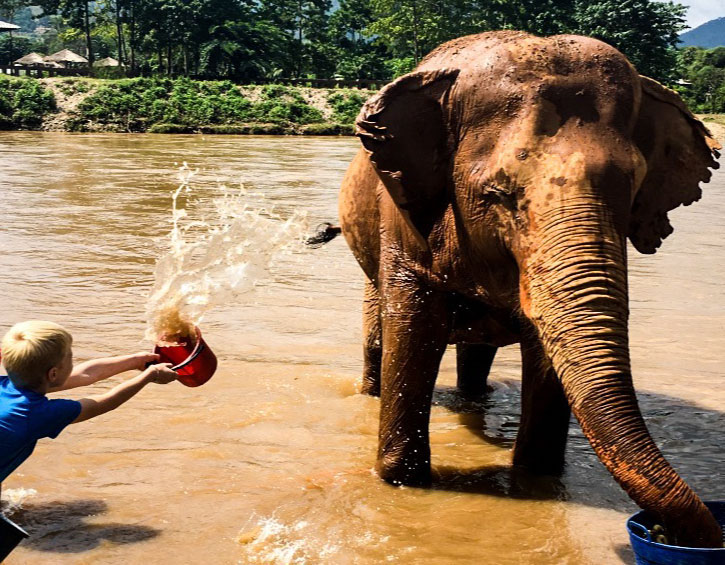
(708,35)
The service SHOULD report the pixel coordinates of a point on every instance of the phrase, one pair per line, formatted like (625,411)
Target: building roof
(107,62)
(66,56)
(5,26)
(30,59)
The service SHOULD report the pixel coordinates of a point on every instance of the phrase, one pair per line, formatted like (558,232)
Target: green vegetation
(346,105)
(70,86)
(136,104)
(182,105)
(281,104)
(328,129)
(703,71)
(261,40)
(23,103)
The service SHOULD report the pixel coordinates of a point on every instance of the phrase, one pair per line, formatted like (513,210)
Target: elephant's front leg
(373,340)
(415,331)
(545,413)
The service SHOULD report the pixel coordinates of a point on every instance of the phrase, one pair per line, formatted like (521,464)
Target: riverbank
(160,105)
(716,124)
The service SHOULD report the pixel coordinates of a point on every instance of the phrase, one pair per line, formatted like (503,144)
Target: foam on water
(275,541)
(13,498)
(219,250)
(271,541)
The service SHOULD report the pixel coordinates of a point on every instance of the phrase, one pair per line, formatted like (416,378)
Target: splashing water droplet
(218,251)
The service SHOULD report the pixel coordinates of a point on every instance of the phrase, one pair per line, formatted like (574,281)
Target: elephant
(490,204)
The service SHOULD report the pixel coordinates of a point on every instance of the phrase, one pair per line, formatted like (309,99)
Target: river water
(271,461)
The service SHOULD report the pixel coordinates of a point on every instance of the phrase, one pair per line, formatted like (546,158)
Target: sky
(702,11)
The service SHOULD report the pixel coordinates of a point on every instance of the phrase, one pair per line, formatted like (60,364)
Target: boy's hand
(144,358)
(161,374)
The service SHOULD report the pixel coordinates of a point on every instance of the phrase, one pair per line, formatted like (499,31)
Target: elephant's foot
(539,463)
(405,470)
(541,441)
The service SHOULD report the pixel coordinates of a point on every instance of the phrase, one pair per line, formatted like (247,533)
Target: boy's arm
(95,370)
(97,405)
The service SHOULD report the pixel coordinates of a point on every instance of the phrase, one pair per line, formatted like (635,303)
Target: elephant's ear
(679,151)
(404,131)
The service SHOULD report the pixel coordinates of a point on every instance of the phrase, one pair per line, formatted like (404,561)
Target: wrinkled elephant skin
(490,204)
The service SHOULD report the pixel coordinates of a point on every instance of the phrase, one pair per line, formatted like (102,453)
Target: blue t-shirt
(25,417)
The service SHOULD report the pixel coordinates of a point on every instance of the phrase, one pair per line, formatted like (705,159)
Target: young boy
(38,358)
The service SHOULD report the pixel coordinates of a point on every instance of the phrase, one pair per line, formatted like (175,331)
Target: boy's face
(60,373)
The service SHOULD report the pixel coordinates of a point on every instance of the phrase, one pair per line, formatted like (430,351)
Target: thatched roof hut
(30,59)
(5,26)
(107,62)
(67,57)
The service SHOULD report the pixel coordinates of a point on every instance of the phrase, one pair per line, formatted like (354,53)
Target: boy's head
(37,353)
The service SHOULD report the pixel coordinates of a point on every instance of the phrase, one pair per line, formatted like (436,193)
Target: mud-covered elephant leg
(415,331)
(545,414)
(473,365)
(373,341)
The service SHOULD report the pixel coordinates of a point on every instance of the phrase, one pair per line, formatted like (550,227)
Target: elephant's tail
(323,233)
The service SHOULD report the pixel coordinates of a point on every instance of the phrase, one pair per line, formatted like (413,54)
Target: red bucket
(193,361)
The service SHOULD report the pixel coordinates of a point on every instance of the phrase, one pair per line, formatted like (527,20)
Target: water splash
(273,542)
(306,539)
(13,498)
(218,250)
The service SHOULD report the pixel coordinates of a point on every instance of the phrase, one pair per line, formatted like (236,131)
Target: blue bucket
(648,552)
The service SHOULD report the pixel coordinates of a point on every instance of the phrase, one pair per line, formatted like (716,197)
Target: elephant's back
(500,54)
(466,49)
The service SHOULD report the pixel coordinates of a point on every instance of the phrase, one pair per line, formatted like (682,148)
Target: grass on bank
(24,103)
(716,118)
(163,105)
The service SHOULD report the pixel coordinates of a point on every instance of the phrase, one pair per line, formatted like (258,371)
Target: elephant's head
(555,150)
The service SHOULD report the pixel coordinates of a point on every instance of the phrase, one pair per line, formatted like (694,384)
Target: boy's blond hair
(30,349)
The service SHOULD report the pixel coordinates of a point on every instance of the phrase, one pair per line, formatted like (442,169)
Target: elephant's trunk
(574,289)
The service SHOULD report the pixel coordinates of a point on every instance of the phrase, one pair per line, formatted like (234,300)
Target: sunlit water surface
(271,461)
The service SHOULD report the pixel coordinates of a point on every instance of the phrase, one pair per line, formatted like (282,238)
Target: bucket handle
(640,530)
(191,357)
(200,346)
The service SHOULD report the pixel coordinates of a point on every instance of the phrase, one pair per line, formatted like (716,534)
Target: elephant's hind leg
(545,414)
(473,364)
(373,340)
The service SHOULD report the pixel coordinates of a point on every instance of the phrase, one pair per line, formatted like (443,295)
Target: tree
(243,50)
(703,71)
(356,55)
(645,31)
(77,13)
(303,25)
(8,8)
(411,28)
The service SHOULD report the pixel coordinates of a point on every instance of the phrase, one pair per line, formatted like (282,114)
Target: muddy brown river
(271,461)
